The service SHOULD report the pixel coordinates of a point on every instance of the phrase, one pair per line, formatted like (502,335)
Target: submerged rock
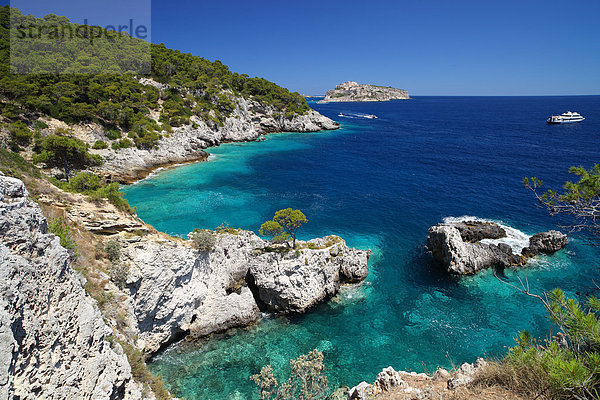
(458,247)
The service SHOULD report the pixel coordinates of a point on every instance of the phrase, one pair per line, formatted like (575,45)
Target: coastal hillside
(135,121)
(352,91)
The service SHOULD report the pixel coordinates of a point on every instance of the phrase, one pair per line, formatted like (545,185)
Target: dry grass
(528,382)
(491,383)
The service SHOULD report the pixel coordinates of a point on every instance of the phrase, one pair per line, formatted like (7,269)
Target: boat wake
(357,115)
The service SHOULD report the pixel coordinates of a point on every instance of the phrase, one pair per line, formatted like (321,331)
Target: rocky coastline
(461,247)
(248,122)
(354,92)
(169,290)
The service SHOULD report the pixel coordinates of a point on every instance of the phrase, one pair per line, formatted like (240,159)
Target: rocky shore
(248,122)
(461,247)
(352,91)
(55,340)
(460,383)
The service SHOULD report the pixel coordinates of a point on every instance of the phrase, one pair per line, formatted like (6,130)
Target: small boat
(371,116)
(341,115)
(565,118)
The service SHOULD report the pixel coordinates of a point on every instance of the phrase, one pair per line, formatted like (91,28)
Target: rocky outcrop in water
(175,289)
(352,91)
(458,248)
(53,340)
(545,242)
(294,282)
(248,122)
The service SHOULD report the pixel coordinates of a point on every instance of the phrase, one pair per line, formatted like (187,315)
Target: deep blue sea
(380,183)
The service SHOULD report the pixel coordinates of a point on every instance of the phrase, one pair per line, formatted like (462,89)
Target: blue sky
(429,47)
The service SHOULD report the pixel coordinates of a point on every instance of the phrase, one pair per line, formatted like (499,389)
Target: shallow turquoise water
(380,184)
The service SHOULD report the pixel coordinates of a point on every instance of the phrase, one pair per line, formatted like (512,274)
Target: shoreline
(141,174)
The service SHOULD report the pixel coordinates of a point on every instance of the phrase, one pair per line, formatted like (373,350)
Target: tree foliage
(285,223)
(63,230)
(101,87)
(579,200)
(568,365)
(67,153)
(306,380)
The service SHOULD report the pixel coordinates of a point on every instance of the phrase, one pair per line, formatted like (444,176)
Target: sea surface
(380,184)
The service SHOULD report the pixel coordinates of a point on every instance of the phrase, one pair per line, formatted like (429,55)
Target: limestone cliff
(53,340)
(248,122)
(352,91)
(174,289)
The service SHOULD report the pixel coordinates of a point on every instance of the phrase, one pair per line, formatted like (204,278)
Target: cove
(380,184)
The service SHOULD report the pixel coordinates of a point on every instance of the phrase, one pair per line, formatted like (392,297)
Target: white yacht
(372,116)
(565,118)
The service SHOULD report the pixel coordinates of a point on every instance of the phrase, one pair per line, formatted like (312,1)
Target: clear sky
(429,47)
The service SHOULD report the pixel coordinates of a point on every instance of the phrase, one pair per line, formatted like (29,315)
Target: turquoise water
(380,184)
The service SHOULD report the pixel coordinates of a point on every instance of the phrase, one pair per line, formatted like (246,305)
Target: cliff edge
(53,340)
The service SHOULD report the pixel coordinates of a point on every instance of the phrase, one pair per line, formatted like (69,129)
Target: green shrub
(225,228)
(113,250)
(118,274)
(14,165)
(100,144)
(113,195)
(85,182)
(140,371)
(61,228)
(203,240)
(122,144)
(20,135)
(113,134)
(568,365)
(39,125)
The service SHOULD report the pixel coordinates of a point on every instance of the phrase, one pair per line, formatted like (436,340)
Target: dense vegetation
(100,82)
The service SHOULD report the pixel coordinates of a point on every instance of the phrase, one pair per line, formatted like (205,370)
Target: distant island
(353,91)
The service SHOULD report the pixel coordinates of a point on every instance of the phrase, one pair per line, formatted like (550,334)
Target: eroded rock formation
(176,289)
(53,340)
(458,246)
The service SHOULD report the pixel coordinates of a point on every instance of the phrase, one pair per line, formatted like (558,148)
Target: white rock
(52,336)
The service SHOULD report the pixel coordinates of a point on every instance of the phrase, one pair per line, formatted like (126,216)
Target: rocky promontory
(352,91)
(156,289)
(463,248)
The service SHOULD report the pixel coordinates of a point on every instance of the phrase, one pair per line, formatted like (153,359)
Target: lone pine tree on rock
(284,225)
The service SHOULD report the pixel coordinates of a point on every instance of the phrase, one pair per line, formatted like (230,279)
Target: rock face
(474,231)
(457,246)
(52,336)
(352,91)
(175,289)
(295,282)
(402,385)
(248,122)
(545,242)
